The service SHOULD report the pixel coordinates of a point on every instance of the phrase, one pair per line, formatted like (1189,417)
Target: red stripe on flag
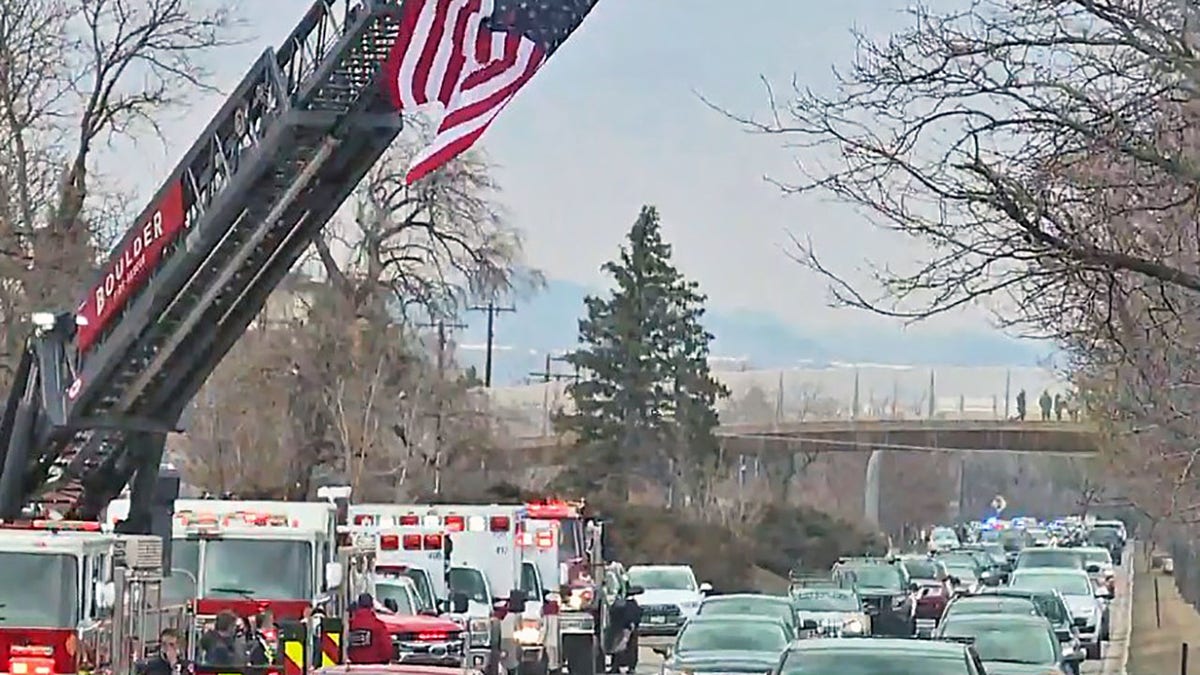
(395,61)
(433,43)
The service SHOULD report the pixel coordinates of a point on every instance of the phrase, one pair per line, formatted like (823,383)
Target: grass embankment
(1155,650)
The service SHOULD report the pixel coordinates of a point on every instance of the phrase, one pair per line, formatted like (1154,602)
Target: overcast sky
(613,121)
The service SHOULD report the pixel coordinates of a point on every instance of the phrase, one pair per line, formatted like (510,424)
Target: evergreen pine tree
(646,402)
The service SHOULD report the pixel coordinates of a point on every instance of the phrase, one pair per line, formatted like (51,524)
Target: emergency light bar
(55,525)
(254,518)
(554,509)
(412,542)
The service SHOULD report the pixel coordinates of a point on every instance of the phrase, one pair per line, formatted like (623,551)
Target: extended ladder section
(97,390)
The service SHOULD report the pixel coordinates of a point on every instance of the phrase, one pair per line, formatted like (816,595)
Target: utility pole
(491,310)
(546,376)
(442,339)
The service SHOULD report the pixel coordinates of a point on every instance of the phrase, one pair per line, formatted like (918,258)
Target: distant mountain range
(548,323)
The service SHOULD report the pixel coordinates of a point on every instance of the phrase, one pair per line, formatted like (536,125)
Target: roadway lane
(1115,653)
(1113,656)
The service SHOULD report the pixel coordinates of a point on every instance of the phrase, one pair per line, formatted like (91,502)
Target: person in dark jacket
(370,641)
(168,660)
(220,645)
(264,639)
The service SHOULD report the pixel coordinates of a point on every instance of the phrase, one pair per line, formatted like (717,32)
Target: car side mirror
(334,575)
(1093,569)
(955,581)
(913,587)
(706,588)
(392,605)
(459,603)
(638,590)
(516,601)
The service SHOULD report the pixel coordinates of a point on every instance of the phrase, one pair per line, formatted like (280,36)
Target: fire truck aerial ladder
(97,390)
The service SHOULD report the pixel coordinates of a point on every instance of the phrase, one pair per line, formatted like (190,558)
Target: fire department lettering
(130,267)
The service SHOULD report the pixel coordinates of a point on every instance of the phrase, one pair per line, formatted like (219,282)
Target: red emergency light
(412,542)
(544,538)
(389,542)
(456,523)
(433,636)
(433,542)
(56,525)
(499,523)
(552,509)
(363,519)
(410,519)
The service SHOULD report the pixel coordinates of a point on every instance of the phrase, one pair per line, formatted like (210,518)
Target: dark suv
(887,592)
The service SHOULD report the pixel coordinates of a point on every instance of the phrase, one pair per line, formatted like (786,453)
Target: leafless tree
(430,246)
(967,130)
(75,75)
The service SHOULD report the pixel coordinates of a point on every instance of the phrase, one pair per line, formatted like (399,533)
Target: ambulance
(61,581)
(246,556)
(509,631)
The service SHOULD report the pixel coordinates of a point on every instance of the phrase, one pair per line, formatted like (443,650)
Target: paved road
(1114,654)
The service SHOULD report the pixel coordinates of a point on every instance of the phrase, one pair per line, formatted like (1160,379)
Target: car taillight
(410,520)
(455,523)
(498,523)
(389,542)
(412,542)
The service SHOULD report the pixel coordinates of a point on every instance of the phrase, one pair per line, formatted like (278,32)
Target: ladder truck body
(97,389)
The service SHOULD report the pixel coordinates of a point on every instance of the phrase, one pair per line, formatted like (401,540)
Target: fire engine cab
(61,582)
(246,556)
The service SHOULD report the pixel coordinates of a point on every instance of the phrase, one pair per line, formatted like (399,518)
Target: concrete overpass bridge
(852,433)
(783,450)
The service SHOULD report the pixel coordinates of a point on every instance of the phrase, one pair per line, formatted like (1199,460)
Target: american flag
(466,59)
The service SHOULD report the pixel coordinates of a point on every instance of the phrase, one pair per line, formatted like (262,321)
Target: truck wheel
(539,667)
(579,654)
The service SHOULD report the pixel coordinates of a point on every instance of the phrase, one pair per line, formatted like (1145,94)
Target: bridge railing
(782,397)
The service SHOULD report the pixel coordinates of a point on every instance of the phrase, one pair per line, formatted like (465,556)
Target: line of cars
(983,610)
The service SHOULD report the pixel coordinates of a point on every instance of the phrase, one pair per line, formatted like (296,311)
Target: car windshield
(772,607)
(663,578)
(874,576)
(1052,608)
(469,581)
(921,568)
(261,569)
(732,635)
(1104,536)
(39,590)
(397,592)
(1049,558)
(943,535)
(963,570)
(989,535)
(863,662)
(1067,584)
(825,601)
(992,605)
(1003,642)
(185,570)
(1096,555)
(420,579)
(959,558)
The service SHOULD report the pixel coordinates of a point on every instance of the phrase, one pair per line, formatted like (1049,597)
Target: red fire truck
(60,582)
